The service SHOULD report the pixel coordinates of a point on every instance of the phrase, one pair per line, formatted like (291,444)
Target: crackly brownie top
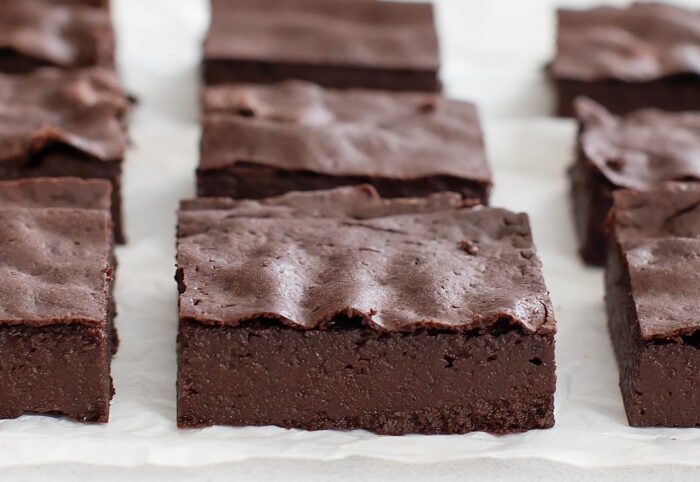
(56,33)
(82,110)
(659,233)
(454,269)
(668,210)
(665,285)
(354,33)
(356,202)
(642,42)
(297,125)
(642,149)
(54,265)
(63,192)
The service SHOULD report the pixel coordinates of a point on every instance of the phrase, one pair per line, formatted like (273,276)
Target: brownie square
(335,43)
(342,310)
(638,151)
(56,308)
(40,33)
(652,288)
(64,192)
(264,140)
(643,55)
(57,123)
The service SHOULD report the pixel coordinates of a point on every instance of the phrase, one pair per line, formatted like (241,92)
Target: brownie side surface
(59,369)
(337,43)
(627,58)
(64,124)
(261,141)
(70,35)
(264,373)
(374,290)
(639,151)
(56,312)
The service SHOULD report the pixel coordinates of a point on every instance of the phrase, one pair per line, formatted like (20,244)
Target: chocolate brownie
(265,140)
(644,55)
(336,43)
(56,326)
(57,123)
(64,192)
(314,311)
(40,33)
(638,151)
(652,288)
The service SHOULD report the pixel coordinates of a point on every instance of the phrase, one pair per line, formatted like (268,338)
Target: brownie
(643,55)
(56,310)
(41,33)
(64,192)
(57,123)
(335,43)
(264,140)
(314,311)
(652,288)
(638,151)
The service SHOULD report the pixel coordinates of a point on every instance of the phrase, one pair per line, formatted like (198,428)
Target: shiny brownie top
(638,43)
(299,126)
(346,33)
(36,33)
(54,265)
(63,192)
(642,149)
(80,110)
(659,232)
(309,259)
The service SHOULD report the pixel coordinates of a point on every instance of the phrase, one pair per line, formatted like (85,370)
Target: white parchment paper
(493,53)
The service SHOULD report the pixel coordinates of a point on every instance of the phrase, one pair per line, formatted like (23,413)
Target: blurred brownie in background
(644,55)
(637,151)
(335,43)
(40,33)
(265,140)
(58,123)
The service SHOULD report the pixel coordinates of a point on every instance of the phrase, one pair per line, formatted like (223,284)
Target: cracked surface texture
(36,33)
(642,42)
(54,266)
(452,269)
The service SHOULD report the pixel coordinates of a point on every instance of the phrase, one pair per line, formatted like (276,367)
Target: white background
(493,52)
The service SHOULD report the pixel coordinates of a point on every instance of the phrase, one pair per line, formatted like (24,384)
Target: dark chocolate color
(56,312)
(37,33)
(358,308)
(261,141)
(644,55)
(336,43)
(652,287)
(638,151)
(55,123)
(63,192)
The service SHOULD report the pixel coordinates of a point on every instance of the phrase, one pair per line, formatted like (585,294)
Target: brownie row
(62,144)
(341,270)
(411,294)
